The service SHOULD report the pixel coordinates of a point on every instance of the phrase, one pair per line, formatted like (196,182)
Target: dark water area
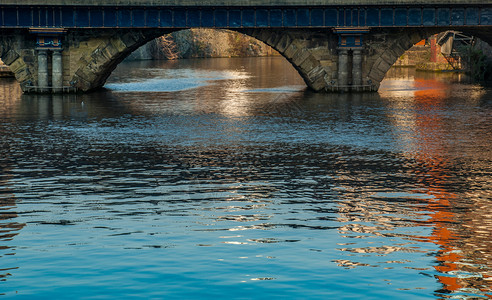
(226,178)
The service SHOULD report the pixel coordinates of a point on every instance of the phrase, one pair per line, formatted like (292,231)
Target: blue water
(226,178)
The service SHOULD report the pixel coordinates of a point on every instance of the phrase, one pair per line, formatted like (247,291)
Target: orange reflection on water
(433,173)
(10,93)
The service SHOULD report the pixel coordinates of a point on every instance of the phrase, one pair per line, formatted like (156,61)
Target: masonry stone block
(10,57)
(301,56)
(310,67)
(17,65)
(87,74)
(131,38)
(273,38)
(23,75)
(315,72)
(100,58)
(109,52)
(81,84)
(118,44)
(263,35)
(375,74)
(293,48)
(283,43)
(319,84)
(383,64)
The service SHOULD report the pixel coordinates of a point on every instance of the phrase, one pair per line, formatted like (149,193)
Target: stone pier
(343,66)
(43,79)
(57,72)
(357,69)
(49,49)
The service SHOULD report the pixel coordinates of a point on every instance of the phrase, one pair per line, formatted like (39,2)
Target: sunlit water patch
(159,85)
(171,80)
(282,89)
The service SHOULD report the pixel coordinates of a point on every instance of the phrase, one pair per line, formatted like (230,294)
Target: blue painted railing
(242,17)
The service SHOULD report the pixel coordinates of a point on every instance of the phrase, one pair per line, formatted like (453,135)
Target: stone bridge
(335,45)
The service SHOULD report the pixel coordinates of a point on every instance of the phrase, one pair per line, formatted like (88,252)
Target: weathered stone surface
(292,50)
(118,44)
(283,43)
(23,75)
(301,56)
(319,84)
(86,74)
(80,83)
(131,38)
(17,65)
(315,73)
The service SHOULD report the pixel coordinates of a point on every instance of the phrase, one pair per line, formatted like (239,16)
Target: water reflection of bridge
(9,226)
(5,71)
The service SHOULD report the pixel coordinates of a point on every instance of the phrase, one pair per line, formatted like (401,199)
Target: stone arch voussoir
(19,55)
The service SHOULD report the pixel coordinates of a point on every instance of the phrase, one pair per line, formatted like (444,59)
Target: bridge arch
(312,54)
(383,48)
(88,57)
(98,55)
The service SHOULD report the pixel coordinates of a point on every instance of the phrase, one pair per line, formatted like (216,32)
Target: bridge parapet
(235,17)
(251,3)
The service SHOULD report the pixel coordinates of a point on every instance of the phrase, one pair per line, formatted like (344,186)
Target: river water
(226,178)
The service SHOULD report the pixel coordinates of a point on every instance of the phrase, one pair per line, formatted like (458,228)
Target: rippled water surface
(225,178)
